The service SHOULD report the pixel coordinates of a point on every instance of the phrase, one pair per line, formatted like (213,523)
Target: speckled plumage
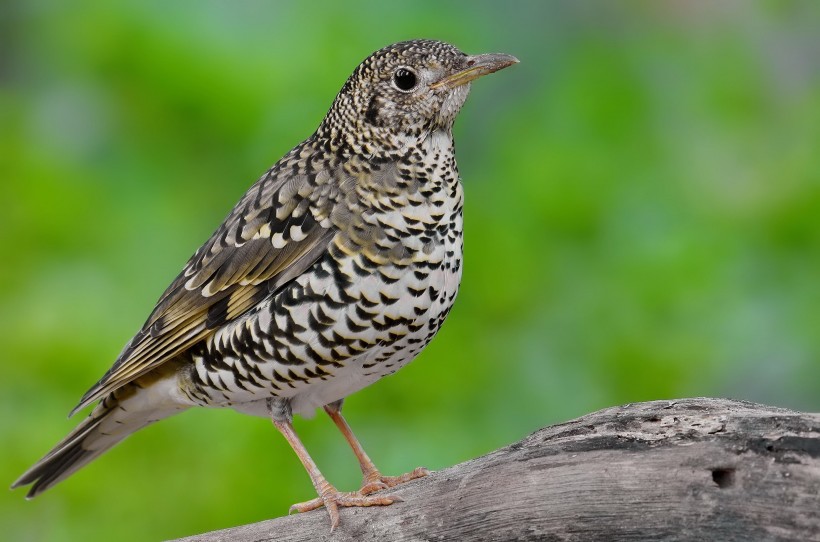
(335,269)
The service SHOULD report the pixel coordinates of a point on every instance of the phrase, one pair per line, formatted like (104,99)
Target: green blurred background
(642,222)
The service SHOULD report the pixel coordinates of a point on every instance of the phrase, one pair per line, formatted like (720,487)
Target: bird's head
(403,92)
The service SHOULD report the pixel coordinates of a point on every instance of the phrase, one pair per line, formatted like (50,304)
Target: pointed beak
(476,66)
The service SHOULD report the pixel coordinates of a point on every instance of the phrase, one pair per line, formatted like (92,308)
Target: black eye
(404,79)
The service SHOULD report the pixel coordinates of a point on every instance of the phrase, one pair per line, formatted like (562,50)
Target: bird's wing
(280,227)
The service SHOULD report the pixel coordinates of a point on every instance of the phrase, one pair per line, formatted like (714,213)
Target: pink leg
(329,496)
(373,479)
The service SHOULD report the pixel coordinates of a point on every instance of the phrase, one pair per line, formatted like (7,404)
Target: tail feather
(70,454)
(125,411)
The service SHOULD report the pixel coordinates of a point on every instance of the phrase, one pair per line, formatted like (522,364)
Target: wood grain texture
(686,470)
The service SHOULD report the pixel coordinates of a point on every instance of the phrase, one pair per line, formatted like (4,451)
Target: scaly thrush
(335,269)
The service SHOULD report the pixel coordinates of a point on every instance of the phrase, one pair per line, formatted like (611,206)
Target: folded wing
(280,227)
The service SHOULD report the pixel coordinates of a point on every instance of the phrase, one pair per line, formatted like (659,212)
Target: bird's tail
(124,411)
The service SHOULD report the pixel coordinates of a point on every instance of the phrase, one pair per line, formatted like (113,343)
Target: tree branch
(692,469)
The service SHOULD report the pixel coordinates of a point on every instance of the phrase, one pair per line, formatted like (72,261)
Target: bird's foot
(332,499)
(375,481)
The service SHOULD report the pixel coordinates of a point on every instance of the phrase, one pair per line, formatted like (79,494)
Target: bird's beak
(477,65)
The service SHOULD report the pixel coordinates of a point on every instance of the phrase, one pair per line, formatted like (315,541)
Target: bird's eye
(404,79)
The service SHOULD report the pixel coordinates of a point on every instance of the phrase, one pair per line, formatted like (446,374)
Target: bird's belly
(336,329)
(393,347)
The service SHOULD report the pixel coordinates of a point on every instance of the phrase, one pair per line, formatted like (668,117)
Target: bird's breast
(362,311)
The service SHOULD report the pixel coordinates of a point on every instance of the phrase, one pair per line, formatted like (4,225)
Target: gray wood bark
(686,470)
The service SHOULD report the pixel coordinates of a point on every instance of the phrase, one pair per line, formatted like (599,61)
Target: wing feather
(274,233)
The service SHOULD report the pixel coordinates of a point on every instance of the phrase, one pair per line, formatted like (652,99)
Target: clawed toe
(372,487)
(382,482)
(332,500)
(306,506)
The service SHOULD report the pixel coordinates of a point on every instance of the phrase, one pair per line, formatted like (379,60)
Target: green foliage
(642,222)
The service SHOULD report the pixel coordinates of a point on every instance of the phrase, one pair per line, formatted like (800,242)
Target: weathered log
(685,470)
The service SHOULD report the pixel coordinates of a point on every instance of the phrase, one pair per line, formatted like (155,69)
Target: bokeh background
(642,222)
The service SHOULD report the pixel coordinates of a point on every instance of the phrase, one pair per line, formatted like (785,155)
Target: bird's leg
(373,480)
(329,496)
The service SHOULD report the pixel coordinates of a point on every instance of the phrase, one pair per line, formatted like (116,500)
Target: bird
(335,269)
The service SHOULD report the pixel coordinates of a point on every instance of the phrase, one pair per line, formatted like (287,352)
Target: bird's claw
(372,487)
(333,499)
(375,481)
